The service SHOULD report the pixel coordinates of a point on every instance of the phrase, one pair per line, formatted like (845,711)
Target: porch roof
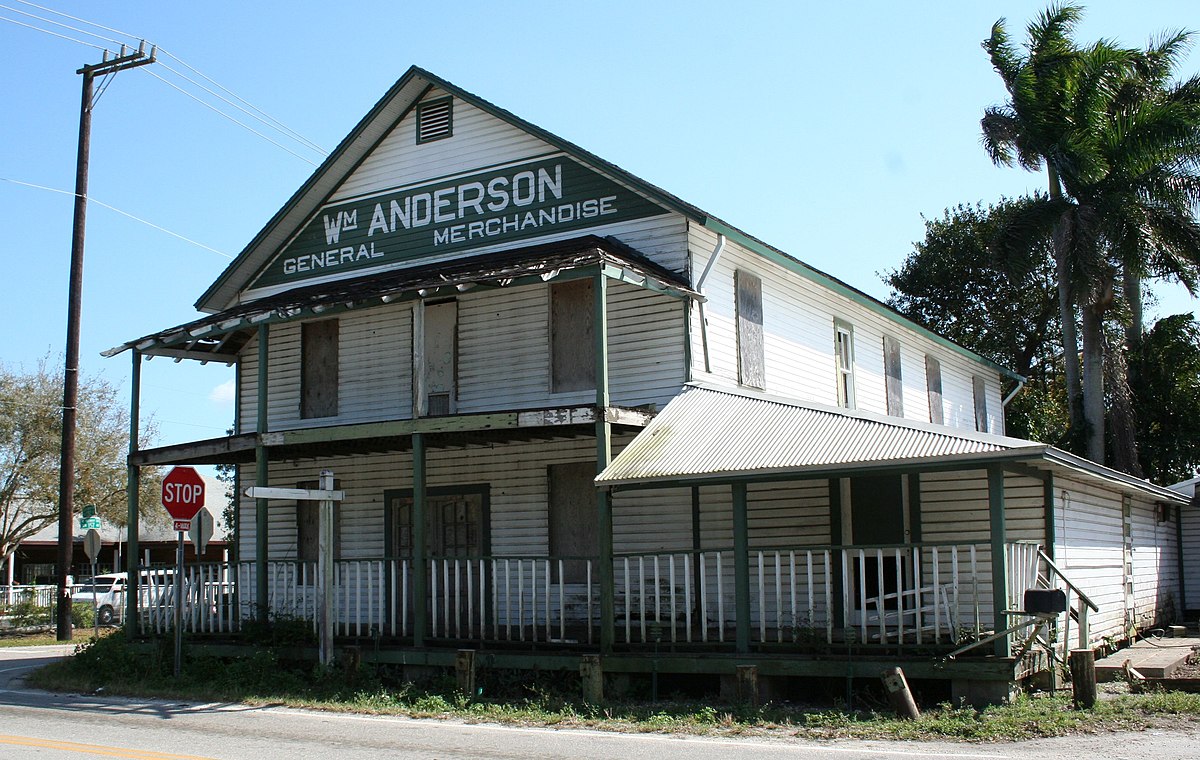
(218,337)
(716,434)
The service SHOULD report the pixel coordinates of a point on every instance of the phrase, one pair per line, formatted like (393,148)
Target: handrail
(1078,592)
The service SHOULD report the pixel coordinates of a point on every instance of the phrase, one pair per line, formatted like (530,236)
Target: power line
(231,118)
(254,111)
(59,23)
(53,34)
(262,116)
(119,211)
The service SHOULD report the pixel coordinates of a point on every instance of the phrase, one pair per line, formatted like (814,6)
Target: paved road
(40,725)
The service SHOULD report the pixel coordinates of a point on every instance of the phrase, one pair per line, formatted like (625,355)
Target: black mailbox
(1045,600)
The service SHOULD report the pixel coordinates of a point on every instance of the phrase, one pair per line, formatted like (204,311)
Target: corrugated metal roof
(708,431)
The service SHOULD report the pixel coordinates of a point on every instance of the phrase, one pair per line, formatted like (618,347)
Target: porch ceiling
(219,337)
(560,423)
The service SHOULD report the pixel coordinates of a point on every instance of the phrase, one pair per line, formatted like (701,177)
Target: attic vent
(435,120)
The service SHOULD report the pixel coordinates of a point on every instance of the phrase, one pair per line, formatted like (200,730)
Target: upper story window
(844,360)
(435,120)
(572,339)
(981,413)
(751,364)
(933,385)
(892,377)
(438,359)
(319,369)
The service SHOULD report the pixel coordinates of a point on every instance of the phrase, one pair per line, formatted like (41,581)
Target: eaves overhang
(217,337)
(397,102)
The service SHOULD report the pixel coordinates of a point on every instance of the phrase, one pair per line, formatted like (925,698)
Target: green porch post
(604,520)
(420,587)
(741,565)
(133,476)
(260,479)
(1048,506)
(995,476)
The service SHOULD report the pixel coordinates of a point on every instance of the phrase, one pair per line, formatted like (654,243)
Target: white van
(108,592)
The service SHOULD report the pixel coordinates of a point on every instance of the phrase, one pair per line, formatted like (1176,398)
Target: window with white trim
(843,337)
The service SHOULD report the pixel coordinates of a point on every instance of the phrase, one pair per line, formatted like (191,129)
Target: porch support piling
(260,478)
(133,497)
(741,564)
(995,478)
(420,586)
(603,457)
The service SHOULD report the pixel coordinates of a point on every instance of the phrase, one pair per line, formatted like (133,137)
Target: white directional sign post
(183,497)
(325,538)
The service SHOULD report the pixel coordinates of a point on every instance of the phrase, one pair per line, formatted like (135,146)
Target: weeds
(550,699)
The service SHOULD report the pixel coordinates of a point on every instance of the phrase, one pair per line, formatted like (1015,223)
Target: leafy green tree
(1164,376)
(1121,147)
(30,440)
(952,285)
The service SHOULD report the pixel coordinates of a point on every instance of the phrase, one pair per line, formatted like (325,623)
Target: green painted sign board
(87,523)
(514,202)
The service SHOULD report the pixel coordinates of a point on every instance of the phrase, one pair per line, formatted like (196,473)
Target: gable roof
(715,434)
(399,100)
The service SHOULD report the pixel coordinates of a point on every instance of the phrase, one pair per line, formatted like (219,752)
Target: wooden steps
(1152,657)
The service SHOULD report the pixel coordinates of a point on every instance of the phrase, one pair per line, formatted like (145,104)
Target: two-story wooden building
(572,413)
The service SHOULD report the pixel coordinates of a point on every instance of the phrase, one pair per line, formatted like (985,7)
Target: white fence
(895,595)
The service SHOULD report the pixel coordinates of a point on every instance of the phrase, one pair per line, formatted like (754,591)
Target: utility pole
(66,476)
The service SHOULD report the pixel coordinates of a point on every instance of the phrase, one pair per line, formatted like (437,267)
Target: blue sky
(827,130)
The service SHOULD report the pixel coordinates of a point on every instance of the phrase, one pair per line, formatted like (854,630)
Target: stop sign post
(183,495)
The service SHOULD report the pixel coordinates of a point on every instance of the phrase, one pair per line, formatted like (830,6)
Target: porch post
(133,474)
(420,589)
(260,479)
(1048,507)
(995,476)
(741,567)
(604,521)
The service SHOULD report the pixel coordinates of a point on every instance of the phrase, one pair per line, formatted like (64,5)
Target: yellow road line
(96,749)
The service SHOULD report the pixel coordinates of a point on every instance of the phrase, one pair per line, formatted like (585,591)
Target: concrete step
(1152,657)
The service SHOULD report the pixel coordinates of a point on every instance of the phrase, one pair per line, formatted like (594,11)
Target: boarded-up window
(308,526)
(454,522)
(981,413)
(844,359)
(440,365)
(572,341)
(751,364)
(573,517)
(892,377)
(319,369)
(933,385)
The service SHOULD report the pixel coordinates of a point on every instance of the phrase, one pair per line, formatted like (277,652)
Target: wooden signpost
(325,539)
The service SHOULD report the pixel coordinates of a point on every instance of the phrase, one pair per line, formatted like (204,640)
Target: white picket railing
(896,595)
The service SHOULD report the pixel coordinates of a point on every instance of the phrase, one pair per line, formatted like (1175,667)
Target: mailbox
(1045,601)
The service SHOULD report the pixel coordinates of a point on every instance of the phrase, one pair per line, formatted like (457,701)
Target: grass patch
(550,699)
(48,638)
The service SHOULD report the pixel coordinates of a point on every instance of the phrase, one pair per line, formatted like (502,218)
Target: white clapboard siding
(1155,566)
(1191,555)
(646,346)
(1088,548)
(798,318)
(515,475)
(481,141)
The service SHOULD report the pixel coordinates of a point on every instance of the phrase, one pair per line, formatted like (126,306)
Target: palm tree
(1121,147)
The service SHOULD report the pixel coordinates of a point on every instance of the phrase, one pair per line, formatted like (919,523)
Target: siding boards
(798,337)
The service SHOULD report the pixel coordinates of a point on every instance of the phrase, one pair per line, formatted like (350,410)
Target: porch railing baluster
(937,584)
(720,600)
(703,599)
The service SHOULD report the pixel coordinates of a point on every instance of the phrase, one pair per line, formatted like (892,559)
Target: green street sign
(89,523)
(89,511)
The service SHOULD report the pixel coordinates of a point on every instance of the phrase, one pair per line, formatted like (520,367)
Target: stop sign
(183,493)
